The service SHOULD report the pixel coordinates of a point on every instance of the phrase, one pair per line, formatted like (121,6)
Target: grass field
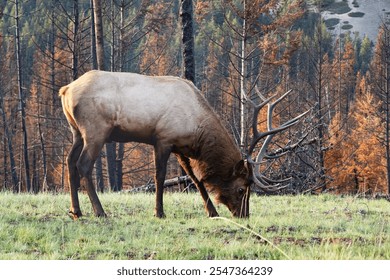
(280,227)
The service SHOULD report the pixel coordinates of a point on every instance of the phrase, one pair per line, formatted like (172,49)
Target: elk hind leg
(73,174)
(85,166)
(209,206)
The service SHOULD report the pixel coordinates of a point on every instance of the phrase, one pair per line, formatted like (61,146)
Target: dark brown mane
(218,154)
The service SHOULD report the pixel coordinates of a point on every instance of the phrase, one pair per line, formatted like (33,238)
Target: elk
(168,113)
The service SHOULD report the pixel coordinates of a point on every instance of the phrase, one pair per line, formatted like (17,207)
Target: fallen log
(169,183)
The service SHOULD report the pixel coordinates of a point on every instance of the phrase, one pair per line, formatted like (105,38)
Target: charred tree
(21,99)
(98,164)
(75,62)
(186,11)
(7,134)
(381,82)
(110,147)
(97,9)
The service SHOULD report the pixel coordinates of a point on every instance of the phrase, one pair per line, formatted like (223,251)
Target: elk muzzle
(242,210)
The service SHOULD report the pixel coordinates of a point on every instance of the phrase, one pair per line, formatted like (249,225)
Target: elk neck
(216,153)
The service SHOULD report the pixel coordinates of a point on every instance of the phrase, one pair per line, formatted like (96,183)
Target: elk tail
(63,90)
(67,111)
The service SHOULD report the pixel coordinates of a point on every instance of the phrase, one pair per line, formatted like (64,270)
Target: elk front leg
(73,174)
(211,211)
(161,155)
(209,206)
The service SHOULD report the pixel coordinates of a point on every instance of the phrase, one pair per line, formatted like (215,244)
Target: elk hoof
(213,214)
(75,214)
(101,215)
(160,215)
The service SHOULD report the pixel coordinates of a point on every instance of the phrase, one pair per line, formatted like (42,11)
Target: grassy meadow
(280,227)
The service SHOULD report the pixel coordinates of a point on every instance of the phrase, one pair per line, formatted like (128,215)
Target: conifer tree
(370,160)
(380,73)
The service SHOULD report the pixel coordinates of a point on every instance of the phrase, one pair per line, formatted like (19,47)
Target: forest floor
(320,227)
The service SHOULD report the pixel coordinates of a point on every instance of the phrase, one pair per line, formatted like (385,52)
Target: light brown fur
(166,112)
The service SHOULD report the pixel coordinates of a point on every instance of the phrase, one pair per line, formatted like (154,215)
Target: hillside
(361,18)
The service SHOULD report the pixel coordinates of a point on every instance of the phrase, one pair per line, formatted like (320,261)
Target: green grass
(297,227)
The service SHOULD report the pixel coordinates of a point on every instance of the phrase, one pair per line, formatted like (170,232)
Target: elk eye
(240,190)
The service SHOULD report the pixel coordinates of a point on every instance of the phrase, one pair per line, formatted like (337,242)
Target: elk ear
(240,169)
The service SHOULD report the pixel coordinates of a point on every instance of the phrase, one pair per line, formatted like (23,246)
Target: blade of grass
(254,233)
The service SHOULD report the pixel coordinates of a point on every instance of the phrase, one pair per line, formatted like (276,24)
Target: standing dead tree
(22,101)
(187,40)
(110,147)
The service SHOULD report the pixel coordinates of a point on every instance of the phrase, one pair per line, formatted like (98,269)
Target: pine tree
(364,56)
(380,71)
(369,155)
(355,160)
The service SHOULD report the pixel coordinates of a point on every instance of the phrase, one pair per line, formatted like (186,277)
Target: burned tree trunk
(110,147)
(97,9)
(186,11)
(22,101)
(98,164)
(187,39)
(8,137)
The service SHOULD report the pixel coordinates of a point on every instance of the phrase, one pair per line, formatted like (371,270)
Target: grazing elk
(166,112)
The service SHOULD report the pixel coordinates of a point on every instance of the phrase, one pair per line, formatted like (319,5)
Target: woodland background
(243,50)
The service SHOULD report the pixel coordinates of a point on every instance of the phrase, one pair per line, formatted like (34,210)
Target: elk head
(236,198)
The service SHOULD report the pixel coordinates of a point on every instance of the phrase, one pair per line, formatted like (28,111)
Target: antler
(259,179)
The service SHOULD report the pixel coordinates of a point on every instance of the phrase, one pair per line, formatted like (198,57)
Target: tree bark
(111,164)
(119,166)
(98,163)
(319,111)
(186,12)
(14,174)
(22,101)
(97,8)
(386,92)
(243,96)
(75,61)
(110,147)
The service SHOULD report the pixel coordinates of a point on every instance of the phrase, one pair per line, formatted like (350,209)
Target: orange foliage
(356,159)
(201,10)
(157,60)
